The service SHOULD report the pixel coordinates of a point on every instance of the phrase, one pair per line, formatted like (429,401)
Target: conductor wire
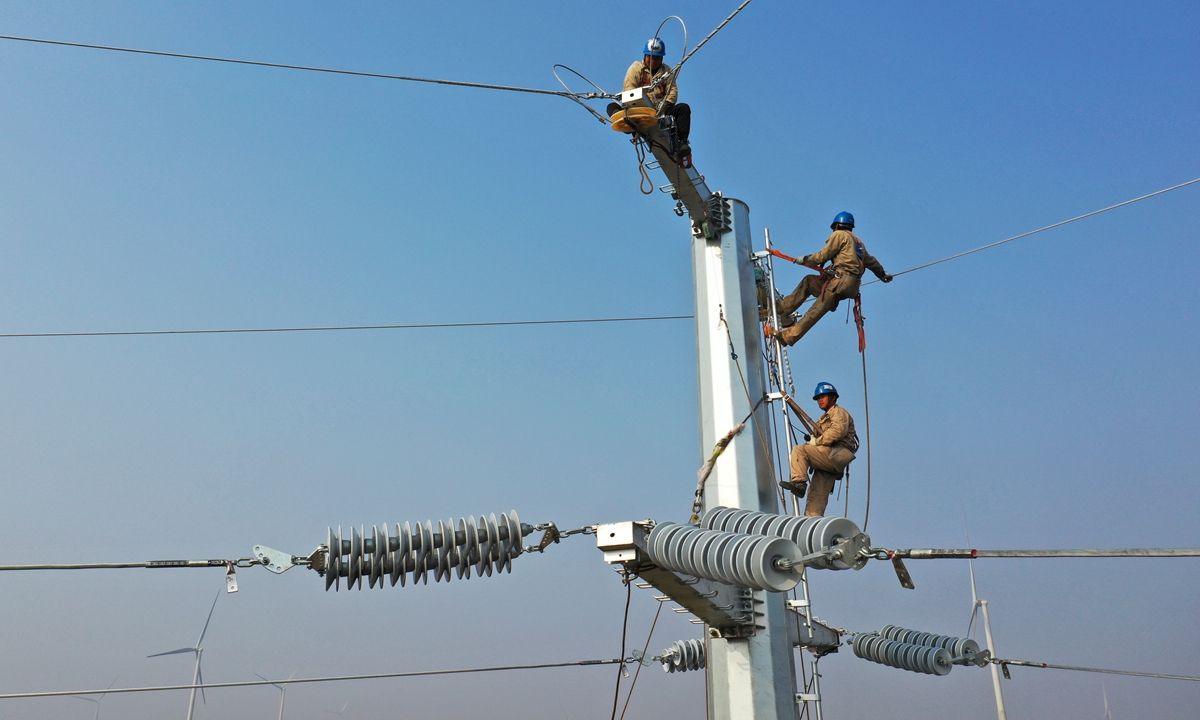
(1023,663)
(624,632)
(308,68)
(327,328)
(1041,229)
(298,681)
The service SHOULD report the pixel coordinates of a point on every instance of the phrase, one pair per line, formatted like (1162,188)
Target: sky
(1037,395)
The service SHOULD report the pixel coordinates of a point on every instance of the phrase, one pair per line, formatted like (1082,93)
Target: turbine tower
(197,676)
(977,605)
(282,690)
(114,682)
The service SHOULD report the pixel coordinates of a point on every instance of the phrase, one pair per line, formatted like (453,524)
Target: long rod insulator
(905,656)
(963,650)
(811,534)
(444,550)
(684,655)
(748,561)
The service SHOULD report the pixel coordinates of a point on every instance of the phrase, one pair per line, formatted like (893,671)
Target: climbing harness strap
(707,468)
(858,320)
(825,273)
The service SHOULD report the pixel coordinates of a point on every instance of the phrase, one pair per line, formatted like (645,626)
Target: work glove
(802,261)
(667,107)
(887,277)
(811,441)
(807,437)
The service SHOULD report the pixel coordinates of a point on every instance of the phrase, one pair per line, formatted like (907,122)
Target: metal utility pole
(748,678)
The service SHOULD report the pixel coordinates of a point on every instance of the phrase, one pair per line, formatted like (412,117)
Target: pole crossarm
(972,553)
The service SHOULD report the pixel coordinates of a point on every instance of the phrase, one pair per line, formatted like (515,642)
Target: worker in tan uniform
(643,73)
(849,259)
(827,453)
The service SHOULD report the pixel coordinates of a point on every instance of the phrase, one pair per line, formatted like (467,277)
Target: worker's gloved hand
(667,107)
(802,261)
(807,437)
(887,277)
(811,441)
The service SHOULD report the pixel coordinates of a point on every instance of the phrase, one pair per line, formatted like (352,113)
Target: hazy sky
(1043,393)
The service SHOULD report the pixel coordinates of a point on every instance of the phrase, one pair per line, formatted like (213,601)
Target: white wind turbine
(976,605)
(197,676)
(282,690)
(1107,712)
(114,682)
(339,712)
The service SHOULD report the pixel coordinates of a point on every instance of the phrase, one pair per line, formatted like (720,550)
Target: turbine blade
(171,652)
(971,625)
(200,679)
(206,622)
(80,697)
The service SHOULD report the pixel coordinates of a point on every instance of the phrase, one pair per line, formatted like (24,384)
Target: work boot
(797,488)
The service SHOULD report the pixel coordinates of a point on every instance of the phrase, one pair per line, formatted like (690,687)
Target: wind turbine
(282,689)
(1107,712)
(114,682)
(197,676)
(976,605)
(339,712)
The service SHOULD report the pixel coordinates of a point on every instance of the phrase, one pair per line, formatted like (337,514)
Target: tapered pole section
(195,681)
(987,633)
(282,693)
(748,678)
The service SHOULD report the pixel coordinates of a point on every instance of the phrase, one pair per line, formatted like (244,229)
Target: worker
(827,453)
(644,72)
(840,282)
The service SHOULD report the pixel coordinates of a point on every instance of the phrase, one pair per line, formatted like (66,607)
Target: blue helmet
(655,47)
(843,218)
(824,388)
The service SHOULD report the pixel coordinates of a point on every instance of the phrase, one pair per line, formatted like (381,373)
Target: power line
(294,681)
(711,34)
(412,326)
(307,68)
(971,553)
(1042,229)
(1023,663)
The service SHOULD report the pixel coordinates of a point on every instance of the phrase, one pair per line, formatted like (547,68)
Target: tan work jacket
(836,427)
(840,248)
(638,75)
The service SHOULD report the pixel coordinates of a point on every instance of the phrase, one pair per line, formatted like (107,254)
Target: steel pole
(749,678)
(987,633)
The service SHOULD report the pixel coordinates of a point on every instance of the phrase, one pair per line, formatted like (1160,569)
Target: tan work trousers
(827,294)
(827,463)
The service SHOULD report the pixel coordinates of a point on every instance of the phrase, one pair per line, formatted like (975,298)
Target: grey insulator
(444,550)
(683,655)
(906,656)
(811,534)
(963,650)
(748,561)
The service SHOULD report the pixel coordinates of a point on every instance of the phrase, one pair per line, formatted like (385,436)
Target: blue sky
(1044,391)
